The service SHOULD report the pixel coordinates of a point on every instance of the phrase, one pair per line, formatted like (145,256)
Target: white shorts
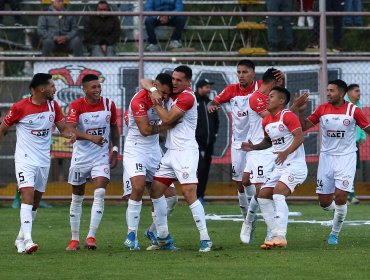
(260,166)
(178,166)
(78,174)
(238,163)
(291,176)
(336,172)
(127,188)
(31,176)
(142,163)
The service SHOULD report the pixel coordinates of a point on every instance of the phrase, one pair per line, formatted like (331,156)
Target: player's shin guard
(133,215)
(331,207)
(171,203)
(20,235)
(160,211)
(75,212)
(97,211)
(268,212)
(26,221)
(200,219)
(243,203)
(252,210)
(281,215)
(339,217)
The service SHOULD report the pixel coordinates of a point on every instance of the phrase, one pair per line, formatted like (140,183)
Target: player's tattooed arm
(249,146)
(213,106)
(169,118)
(96,139)
(154,94)
(66,131)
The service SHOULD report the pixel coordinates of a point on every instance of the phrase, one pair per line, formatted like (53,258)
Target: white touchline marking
(239,218)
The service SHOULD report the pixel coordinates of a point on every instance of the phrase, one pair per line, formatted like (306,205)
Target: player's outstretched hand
(247,146)
(212,108)
(300,101)
(281,157)
(113,160)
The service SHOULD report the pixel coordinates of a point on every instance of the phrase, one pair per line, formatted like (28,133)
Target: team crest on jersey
(291,178)
(345,183)
(107,118)
(185,175)
(346,122)
(281,127)
(51,118)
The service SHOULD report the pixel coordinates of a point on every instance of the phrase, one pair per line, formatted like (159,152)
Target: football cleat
(247,231)
(277,242)
(333,239)
(205,246)
(152,236)
(30,247)
(131,242)
(19,245)
(90,243)
(73,245)
(166,243)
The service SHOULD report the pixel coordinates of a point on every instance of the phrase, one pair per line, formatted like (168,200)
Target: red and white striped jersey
(338,127)
(182,136)
(279,128)
(141,106)
(33,128)
(94,119)
(238,99)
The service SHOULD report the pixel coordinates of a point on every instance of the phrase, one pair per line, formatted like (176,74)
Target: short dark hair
(269,75)
(186,70)
(352,86)
(340,84)
(40,79)
(247,63)
(165,79)
(284,93)
(89,78)
(102,2)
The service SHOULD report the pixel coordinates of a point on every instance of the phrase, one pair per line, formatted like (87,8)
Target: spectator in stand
(352,6)
(273,24)
(59,33)
(152,22)
(353,95)
(14,6)
(331,6)
(102,32)
(306,6)
(205,134)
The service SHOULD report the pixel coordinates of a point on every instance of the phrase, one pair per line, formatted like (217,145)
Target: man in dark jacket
(102,32)
(59,32)
(206,132)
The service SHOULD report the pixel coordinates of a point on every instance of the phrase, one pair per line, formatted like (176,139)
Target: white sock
(252,210)
(339,217)
(243,203)
(281,215)
(26,221)
(331,207)
(160,211)
(250,191)
(75,212)
(200,219)
(152,226)
(268,212)
(171,203)
(97,211)
(20,233)
(133,215)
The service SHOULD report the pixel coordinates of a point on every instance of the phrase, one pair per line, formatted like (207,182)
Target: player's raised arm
(213,106)
(300,102)
(149,85)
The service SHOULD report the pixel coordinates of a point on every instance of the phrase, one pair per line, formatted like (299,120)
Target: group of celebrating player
(268,158)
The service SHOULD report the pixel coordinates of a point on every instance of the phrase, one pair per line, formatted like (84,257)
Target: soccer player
(260,162)
(142,155)
(33,118)
(282,131)
(337,163)
(180,161)
(237,95)
(92,118)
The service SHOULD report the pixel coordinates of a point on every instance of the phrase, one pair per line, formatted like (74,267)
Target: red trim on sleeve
(225,95)
(185,101)
(58,113)
(257,102)
(113,118)
(360,118)
(291,121)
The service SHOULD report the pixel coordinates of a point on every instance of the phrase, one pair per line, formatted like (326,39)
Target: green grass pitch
(306,257)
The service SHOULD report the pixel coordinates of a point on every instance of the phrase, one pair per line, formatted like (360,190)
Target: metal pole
(324,61)
(141,40)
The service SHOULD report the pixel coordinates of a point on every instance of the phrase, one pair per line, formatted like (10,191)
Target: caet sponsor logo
(41,132)
(242,114)
(96,131)
(335,133)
